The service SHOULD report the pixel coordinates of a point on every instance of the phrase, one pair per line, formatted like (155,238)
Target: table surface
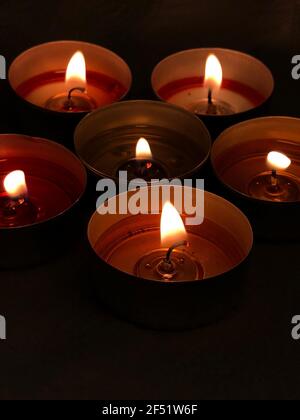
(61,343)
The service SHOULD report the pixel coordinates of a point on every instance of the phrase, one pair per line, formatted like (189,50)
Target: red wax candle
(259,159)
(101,90)
(70,76)
(54,180)
(233,88)
(47,198)
(134,244)
(214,82)
(149,283)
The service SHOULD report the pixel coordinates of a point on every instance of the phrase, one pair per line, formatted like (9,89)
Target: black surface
(61,342)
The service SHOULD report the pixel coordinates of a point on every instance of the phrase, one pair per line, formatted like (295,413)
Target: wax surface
(240,164)
(185,92)
(51,188)
(103,89)
(212,246)
(175,152)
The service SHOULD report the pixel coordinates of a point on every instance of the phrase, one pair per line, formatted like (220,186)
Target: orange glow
(15,184)
(76,72)
(278,160)
(172,228)
(213,73)
(143,150)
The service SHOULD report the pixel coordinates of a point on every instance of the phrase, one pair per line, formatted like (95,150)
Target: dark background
(61,342)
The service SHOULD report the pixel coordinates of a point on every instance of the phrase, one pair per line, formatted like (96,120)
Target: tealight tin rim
(156,103)
(173,283)
(66,41)
(74,203)
(215,50)
(244,195)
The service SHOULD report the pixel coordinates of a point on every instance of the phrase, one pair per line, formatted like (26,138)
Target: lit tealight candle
(148,139)
(76,98)
(70,77)
(275,185)
(15,207)
(143,165)
(168,273)
(41,184)
(170,263)
(257,162)
(213,82)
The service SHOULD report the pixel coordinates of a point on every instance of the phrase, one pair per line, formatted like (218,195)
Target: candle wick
(274,178)
(167,269)
(80,89)
(211,107)
(209,98)
(69,103)
(172,248)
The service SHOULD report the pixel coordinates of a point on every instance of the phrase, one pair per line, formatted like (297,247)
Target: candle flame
(15,184)
(213,73)
(278,160)
(172,228)
(76,72)
(143,150)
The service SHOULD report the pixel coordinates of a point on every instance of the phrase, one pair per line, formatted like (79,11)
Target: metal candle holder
(246,88)
(46,221)
(106,139)
(37,78)
(239,159)
(220,246)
